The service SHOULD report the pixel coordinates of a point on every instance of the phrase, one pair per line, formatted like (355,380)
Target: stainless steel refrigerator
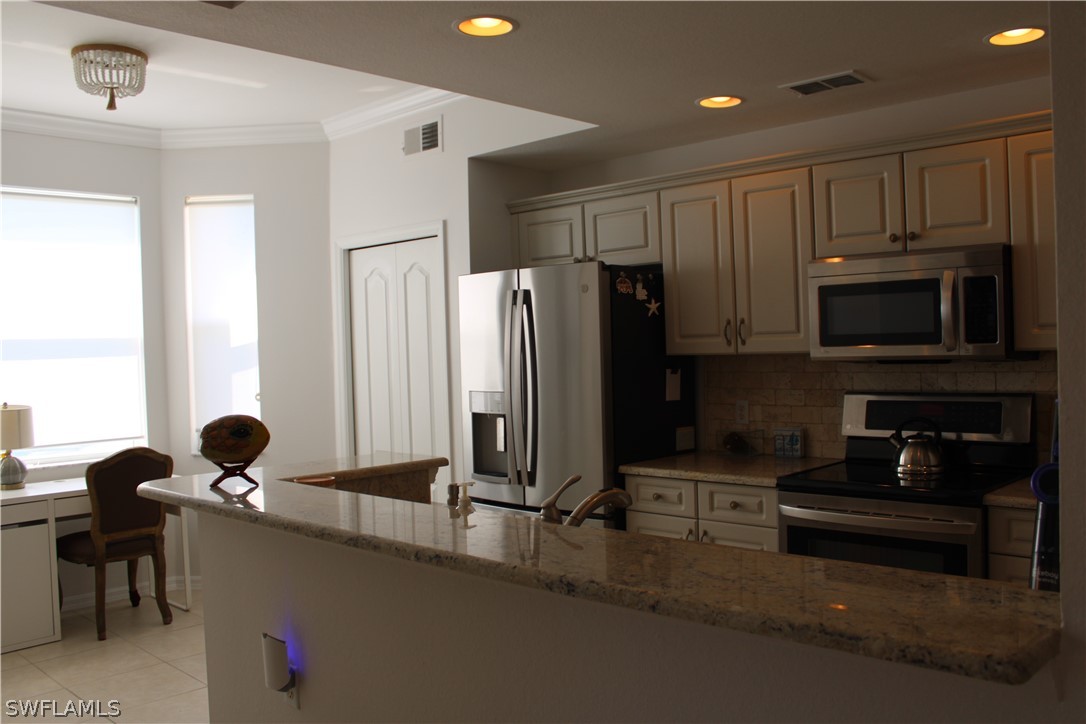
(543,377)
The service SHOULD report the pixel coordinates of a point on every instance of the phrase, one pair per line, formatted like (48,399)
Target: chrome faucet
(611,496)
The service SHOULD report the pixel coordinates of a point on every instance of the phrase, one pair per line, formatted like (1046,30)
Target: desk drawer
(25,512)
(669,496)
(75,505)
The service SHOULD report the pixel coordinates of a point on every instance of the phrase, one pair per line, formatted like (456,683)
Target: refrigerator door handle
(508,357)
(516,388)
(531,382)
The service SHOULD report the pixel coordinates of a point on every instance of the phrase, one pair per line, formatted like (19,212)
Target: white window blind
(224,366)
(71,332)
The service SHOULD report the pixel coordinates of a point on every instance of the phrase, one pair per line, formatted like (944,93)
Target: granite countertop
(359,467)
(1016,495)
(984,629)
(719,467)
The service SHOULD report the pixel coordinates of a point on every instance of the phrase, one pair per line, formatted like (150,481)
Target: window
(71,334)
(220,252)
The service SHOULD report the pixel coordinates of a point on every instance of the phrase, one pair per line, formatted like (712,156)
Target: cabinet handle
(656,497)
(704,535)
(912,236)
(742,337)
(689,534)
(733,505)
(894,238)
(576,260)
(728,332)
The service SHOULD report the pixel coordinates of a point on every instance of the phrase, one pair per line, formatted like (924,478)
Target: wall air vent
(426,137)
(825,83)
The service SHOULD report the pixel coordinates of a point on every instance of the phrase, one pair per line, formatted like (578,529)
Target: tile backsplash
(795,391)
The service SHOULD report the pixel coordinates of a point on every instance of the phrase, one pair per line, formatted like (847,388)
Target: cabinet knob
(704,536)
(689,534)
(733,505)
(742,337)
(912,236)
(728,332)
(656,497)
(893,238)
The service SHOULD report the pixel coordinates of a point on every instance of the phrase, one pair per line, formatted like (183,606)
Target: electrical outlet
(742,412)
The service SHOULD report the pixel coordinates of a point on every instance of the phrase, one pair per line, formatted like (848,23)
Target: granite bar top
(359,467)
(1016,495)
(985,629)
(719,467)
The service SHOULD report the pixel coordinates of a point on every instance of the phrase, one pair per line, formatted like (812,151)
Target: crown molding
(243,136)
(405,104)
(44,124)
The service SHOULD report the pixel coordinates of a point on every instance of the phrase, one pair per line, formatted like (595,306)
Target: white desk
(29,565)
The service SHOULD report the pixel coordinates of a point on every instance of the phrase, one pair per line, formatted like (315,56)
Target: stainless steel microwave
(945,304)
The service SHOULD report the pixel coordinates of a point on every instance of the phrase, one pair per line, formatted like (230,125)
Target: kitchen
(382,208)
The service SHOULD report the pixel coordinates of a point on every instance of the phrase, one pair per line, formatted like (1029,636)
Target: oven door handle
(909,525)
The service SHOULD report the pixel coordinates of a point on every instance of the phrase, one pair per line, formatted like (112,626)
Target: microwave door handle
(947,311)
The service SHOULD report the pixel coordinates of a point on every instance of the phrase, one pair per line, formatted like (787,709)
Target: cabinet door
(1011,569)
(551,236)
(859,207)
(740,536)
(1010,531)
(956,195)
(624,230)
(1033,239)
(771,217)
(699,294)
(664,526)
(29,569)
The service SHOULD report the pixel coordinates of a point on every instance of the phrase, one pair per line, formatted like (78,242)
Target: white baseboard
(81,601)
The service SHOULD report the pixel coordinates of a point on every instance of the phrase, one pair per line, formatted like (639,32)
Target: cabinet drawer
(25,512)
(662,495)
(665,526)
(75,505)
(1010,531)
(1012,569)
(743,504)
(741,536)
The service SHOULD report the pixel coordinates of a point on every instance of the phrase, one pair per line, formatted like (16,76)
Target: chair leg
(159,563)
(133,592)
(100,598)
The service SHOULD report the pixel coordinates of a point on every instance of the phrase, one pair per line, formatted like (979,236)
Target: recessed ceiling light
(486,26)
(719,101)
(1018,36)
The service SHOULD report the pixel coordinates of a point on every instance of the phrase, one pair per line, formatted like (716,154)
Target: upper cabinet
(1033,240)
(932,198)
(737,253)
(619,230)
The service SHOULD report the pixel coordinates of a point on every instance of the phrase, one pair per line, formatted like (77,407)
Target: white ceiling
(633,69)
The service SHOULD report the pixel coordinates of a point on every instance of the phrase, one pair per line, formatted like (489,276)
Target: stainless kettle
(919,456)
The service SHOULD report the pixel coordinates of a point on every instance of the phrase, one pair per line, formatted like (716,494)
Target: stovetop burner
(877,479)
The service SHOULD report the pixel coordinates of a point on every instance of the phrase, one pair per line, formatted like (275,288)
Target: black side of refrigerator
(652,393)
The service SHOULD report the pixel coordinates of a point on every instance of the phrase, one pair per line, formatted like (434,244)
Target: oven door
(884,315)
(934,538)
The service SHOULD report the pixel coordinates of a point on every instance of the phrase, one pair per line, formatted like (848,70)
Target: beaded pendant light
(108,70)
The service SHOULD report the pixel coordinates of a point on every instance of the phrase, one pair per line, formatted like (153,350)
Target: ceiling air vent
(825,83)
(426,137)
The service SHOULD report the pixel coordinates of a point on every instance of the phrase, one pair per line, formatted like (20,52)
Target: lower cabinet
(29,576)
(1010,544)
(737,515)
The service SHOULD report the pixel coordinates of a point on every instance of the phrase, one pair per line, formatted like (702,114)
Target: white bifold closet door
(399,349)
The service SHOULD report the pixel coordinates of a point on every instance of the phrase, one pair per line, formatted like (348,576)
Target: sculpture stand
(235,470)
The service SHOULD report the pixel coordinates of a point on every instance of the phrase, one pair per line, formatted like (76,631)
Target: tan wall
(796,391)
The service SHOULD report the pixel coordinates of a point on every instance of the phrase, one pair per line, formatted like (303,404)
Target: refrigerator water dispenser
(489,458)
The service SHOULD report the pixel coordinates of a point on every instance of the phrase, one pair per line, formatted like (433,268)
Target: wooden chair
(124,526)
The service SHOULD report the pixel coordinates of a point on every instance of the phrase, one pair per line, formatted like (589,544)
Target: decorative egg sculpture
(233,442)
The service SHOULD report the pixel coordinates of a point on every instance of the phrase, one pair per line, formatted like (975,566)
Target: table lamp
(16,433)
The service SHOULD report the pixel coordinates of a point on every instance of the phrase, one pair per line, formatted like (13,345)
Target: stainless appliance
(564,372)
(945,304)
(860,509)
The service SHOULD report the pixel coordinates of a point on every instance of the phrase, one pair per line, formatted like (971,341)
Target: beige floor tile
(77,634)
(57,709)
(26,682)
(142,686)
(112,656)
(181,709)
(170,645)
(12,660)
(195,666)
(127,621)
